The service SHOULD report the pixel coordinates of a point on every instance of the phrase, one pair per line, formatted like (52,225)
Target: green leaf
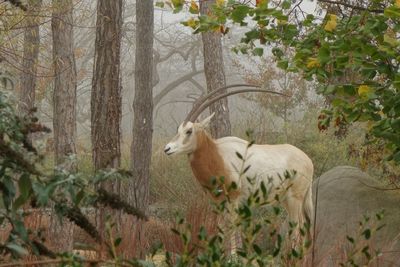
(78,198)
(246,169)
(19,227)
(286,4)
(239,13)
(25,189)
(144,263)
(283,64)
(117,241)
(257,249)
(277,52)
(160,4)
(258,51)
(202,233)
(324,55)
(43,192)
(350,239)
(17,249)
(295,253)
(367,234)
(392,12)
(239,155)
(245,211)
(263,189)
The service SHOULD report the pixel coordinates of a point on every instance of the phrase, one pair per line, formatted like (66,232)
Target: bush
(25,185)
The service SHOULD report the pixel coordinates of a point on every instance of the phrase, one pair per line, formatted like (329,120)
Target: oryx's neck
(207,162)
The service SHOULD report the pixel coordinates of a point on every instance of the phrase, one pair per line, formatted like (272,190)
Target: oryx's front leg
(232,235)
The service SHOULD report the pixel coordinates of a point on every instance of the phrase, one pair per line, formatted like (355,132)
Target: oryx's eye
(189,132)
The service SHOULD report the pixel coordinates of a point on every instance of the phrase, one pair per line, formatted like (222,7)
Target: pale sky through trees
(308,6)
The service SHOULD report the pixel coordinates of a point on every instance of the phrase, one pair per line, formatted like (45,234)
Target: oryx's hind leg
(294,207)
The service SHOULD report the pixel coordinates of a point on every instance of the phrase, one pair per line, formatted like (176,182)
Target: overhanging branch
(170,87)
(352,6)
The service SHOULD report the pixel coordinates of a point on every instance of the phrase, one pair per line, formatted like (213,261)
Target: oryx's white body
(214,158)
(269,163)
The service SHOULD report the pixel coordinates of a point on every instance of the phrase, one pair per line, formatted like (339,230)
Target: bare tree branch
(197,85)
(345,4)
(170,87)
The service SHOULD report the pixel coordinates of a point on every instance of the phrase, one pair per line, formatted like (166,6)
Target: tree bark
(106,87)
(143,113)
(143,102)
(106,104)
(64,97)
(64,109)
(215,76)
(30,58)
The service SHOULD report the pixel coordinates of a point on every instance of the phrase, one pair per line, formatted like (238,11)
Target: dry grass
(173,189)
(198,214)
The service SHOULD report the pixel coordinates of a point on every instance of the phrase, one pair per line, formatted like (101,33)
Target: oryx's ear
(206,121)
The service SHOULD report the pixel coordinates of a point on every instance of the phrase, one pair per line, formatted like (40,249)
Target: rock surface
(345,195)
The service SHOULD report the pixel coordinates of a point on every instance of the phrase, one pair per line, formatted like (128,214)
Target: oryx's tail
(308,209)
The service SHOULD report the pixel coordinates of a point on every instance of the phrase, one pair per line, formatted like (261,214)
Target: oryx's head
(185,141)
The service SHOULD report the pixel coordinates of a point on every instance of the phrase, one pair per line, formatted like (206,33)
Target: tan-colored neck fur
(206,163)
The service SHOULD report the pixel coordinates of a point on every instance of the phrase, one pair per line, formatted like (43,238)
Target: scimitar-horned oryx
(210,158)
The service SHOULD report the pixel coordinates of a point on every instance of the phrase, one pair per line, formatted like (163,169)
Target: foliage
(24,186)
(17,3)
(353,54)
(250,222)
(291,120)
(211,250)
(272,78)
(252,228)
(361,251)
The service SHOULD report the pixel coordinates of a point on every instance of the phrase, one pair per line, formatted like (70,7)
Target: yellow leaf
(331,23)
(194,6)
(220,3)
(370,125)
(261,3)
(282,22)
(191,23)
(381,114)
(313,63)
(363,90)
(390,40)
(397,3)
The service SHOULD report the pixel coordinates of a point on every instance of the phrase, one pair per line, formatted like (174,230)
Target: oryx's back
(265,160)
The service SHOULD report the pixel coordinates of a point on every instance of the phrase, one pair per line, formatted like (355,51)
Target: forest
(199,133)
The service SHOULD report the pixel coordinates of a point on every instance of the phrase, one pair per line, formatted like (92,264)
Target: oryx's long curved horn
(204,98)
(205,102)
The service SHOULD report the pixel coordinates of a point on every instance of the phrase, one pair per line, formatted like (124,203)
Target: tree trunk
(106,103)
(215,76)
(30,58)
(143,112)
(106,87)
(143,102)
(64,108)
(64,98)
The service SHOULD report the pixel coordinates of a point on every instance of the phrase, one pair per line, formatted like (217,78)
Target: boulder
(342,196)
